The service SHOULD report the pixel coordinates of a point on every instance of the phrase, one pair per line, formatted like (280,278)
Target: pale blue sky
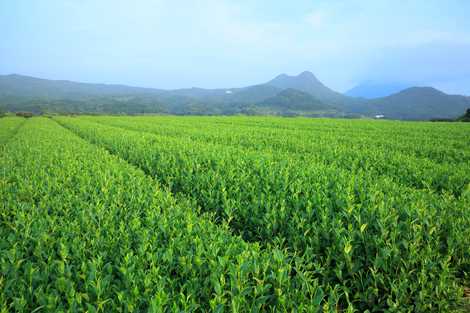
(222,43)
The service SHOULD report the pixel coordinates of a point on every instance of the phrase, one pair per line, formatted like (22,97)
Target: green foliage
(8,128)
(233,214)
(429,163)
(466,116)
(293,101)
(84,231)
(378,226)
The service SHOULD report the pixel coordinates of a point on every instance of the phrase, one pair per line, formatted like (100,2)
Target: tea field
(233,214)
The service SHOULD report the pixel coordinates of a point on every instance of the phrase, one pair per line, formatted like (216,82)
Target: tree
(466,116)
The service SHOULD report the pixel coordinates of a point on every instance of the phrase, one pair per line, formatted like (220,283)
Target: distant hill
(292,100)
(416,103)
(303,94)
(250,94)
(26,86)
(307,82)
(371,90)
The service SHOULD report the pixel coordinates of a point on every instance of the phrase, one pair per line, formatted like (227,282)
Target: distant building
(228,92)
(379,116)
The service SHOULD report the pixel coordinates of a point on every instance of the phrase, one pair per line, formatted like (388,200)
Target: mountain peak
(307,82)
(305,77)
(421,91)
(307,74)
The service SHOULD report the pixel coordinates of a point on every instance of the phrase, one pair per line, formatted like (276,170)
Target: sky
(223,43)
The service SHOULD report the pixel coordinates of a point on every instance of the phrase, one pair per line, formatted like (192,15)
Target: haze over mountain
(302,94)
(307,82)
(417,103)
(371,90)
(26,86)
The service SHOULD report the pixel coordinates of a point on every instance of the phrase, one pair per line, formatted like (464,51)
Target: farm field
(233,214)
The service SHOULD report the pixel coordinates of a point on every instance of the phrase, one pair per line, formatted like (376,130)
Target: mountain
(303,94)
(417,103)
(371,90)
(251,94)
(293,100)
(27,86)
(307,82)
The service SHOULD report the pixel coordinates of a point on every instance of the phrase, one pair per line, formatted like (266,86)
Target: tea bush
(379,242)
(84,231)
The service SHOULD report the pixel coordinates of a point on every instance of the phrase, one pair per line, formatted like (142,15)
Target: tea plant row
(84,231)
(380,244)
(440,174)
